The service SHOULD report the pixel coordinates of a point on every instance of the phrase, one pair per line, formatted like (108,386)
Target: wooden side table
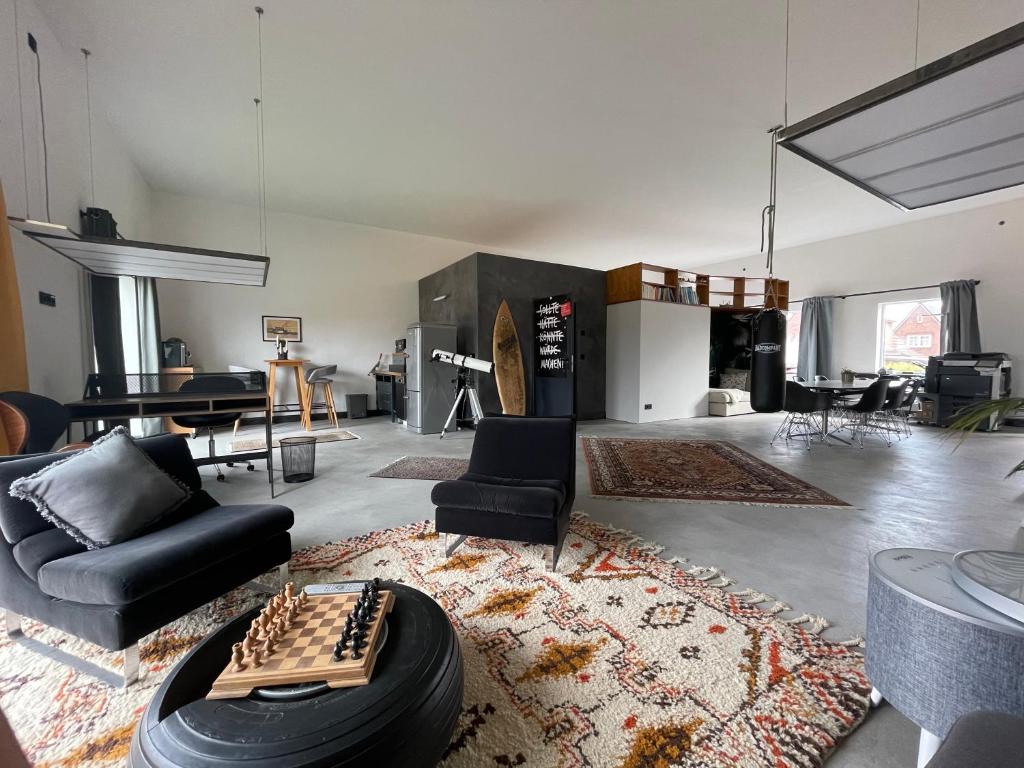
(300,385)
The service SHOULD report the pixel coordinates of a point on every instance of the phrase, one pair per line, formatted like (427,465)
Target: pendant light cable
(21,112)
(917,35)
(261,157)
(88,111)
(42,121)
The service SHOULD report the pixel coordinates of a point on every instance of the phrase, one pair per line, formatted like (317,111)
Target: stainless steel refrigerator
(429,389)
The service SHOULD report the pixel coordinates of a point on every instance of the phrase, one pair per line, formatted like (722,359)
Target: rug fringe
(713,576)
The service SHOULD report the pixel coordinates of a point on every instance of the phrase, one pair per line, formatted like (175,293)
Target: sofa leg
(552,559)
(13,623)
(131,665)
(455,543)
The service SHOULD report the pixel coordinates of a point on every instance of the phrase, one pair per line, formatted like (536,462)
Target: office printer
(957,380)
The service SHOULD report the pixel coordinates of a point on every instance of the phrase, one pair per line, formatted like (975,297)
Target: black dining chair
(208,421)
(858,418)
(804,409)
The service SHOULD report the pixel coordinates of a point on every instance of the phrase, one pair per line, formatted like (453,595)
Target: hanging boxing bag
(768,361)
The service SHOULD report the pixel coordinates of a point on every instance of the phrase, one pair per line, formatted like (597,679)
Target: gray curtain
(815,338)
(149,341)
(960,331)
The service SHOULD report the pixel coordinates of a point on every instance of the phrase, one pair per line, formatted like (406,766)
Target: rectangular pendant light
(105,256)
(948,130)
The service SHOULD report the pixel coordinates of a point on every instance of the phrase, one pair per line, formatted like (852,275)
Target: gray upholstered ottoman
(934,652)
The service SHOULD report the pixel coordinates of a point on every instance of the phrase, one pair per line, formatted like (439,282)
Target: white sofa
(728,402)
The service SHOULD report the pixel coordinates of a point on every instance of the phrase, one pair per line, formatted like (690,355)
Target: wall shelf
(669,285)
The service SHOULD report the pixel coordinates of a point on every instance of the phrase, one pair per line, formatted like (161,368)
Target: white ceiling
(585,131)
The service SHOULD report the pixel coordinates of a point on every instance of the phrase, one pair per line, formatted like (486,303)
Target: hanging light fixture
(120,257)
(951,129)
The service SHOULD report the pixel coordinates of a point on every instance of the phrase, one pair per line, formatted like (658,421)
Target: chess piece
(289,591)
(339,651)
(237,654)
(268,648)
(355,653)
(263,622)
(257,657)
(247,645)
(303,597)
(376,582)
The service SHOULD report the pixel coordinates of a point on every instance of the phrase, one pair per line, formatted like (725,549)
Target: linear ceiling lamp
(105,256)
(119,257)
(948,130)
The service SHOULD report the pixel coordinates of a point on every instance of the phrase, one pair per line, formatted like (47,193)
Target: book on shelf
(683,294)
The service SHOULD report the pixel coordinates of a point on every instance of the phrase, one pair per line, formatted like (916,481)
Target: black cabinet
(391,396)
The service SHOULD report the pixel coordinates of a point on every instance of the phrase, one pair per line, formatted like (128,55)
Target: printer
(957,380)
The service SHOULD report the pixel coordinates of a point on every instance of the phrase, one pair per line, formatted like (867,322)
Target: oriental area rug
(619,659)
(702,471)
(424,468)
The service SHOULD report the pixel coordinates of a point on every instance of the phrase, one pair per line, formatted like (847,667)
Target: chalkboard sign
(552,337)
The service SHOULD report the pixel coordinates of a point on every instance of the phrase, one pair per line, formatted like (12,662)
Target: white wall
(354,287)
(58,358)
(622,364)
(970,244)
(657,356)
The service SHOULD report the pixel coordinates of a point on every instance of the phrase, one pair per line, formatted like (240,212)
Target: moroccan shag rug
(424,468)
(259,443)
(620,659)
(705,471)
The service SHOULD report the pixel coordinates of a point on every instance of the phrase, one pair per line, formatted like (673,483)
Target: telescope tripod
(466,389)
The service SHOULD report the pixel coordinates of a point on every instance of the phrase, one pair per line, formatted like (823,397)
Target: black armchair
(520,486)
(115,595)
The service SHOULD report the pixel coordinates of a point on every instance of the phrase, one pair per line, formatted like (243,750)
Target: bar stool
(321,375)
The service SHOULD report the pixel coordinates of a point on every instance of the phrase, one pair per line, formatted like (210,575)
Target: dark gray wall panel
(476,286)
(459,282)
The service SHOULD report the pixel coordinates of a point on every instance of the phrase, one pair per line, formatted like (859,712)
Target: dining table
(837,388)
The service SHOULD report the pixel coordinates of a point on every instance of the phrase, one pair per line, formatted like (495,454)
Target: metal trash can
(357,406)
(298,455)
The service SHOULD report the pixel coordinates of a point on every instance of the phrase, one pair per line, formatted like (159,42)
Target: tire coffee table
(405,715)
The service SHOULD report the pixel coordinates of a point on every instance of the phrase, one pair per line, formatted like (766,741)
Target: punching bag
(768,361)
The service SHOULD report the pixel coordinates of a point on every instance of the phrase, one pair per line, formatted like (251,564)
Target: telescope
(462,361)
(465,385)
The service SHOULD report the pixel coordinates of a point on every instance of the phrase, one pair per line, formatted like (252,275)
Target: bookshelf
(670,285)
(649,282)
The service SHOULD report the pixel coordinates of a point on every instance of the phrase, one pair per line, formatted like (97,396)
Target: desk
(169,405)
(300,384)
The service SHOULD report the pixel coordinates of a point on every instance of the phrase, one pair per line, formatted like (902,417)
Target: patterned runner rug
(424,468)
(705,471)
(620,659)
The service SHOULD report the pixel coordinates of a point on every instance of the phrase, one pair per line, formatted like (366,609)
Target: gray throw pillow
(104,494)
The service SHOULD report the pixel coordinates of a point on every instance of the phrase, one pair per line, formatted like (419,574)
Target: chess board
(304,653)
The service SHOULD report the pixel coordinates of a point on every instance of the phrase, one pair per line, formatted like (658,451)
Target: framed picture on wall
(288,328)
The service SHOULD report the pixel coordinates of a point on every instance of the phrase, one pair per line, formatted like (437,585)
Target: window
(792,338)
(919,341)
(908,334)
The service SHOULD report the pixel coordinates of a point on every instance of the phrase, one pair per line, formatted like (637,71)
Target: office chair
(207,385)
(14,426)
(804,409)
(239,369)
(47,419)
(857,418)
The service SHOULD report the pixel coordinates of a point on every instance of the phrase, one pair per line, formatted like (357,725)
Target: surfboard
(508,363)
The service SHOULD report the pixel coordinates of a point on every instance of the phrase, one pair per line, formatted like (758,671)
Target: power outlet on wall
(648,406)
(47,299)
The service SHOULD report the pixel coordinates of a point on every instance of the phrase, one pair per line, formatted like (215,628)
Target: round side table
(934,652)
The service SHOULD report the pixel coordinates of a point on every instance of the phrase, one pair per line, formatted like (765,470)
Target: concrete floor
(917,493)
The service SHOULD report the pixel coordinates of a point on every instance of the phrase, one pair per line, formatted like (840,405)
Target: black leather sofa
(520,486)
(116,595)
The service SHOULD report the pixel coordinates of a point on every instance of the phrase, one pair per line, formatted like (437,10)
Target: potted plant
(971,418)
(847,376)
